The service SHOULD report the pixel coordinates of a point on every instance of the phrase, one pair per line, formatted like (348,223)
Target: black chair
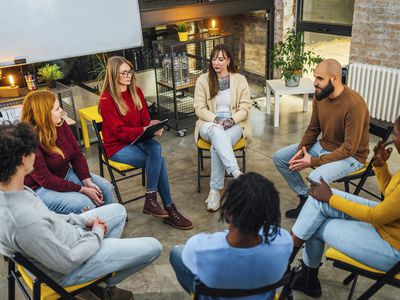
(383,131)
(113,166)
(287,282)
(42,286)
(344,262)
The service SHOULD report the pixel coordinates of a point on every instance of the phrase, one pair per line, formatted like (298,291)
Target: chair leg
(36,290)
(346,187)
(349,278)
(244,160)
(198,170)
(201,159)
(353,286)
(379,283)
(11,280)
(114,182)
(143,177)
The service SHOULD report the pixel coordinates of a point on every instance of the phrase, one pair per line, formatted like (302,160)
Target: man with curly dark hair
(254,251)
(71,249)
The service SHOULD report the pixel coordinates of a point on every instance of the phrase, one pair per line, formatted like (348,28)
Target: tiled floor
(158,281)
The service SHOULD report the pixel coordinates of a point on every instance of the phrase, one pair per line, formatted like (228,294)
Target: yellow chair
(42,286)
(287,282)
(344,262)
(88,114)
(203,145)
(383,131)
(113,166)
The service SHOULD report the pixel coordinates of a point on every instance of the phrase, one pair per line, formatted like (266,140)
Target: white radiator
(380,88)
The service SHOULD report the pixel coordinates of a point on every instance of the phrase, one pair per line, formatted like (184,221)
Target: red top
(119,130)
(50,168)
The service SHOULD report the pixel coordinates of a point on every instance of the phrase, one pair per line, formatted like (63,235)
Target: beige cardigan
(205,107)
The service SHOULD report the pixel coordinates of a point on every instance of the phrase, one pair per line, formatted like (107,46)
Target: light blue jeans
(329,172)
(222,155)
(74,202)
(319,223)
(148,155)
(123,256)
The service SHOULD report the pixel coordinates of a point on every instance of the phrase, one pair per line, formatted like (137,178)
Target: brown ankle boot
(151,206)
(176,220)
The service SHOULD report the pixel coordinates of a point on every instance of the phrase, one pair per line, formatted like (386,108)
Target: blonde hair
(36,109)
(111,85)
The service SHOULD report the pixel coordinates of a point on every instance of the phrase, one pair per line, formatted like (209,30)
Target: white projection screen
(41,30)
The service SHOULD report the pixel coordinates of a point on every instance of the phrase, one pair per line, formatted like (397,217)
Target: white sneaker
(213,200)
(236,174)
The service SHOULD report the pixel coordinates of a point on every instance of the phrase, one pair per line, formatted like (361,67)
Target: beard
(325,91)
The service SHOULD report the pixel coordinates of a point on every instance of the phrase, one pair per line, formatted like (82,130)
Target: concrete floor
(158,281)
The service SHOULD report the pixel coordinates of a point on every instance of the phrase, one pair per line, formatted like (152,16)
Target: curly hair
(250,203)
(16,141)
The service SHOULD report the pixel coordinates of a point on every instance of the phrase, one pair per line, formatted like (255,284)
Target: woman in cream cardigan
(222,104)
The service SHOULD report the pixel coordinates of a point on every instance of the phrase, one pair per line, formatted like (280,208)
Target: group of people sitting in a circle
(65,220)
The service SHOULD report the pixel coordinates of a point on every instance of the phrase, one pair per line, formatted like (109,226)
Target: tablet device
(149,132)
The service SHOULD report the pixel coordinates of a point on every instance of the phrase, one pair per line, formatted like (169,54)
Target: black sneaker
(294,213)
(111,293)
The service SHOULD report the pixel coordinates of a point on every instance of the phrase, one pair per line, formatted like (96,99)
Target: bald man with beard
(336,140)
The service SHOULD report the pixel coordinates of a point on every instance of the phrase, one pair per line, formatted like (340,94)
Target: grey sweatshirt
(54,243)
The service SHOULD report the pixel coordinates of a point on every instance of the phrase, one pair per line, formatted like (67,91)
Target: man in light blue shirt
(254,252)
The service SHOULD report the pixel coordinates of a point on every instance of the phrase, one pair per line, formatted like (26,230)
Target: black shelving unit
(177,67)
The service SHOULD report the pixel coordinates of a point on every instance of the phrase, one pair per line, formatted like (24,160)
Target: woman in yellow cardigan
(222,104)
(365,230)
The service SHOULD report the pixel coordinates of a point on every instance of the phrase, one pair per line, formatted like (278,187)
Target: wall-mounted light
(11,80)
(213,30)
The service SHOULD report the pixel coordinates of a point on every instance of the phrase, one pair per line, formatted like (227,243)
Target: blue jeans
(148,155)
(319,223)
(222,155)
(329,172)
(123,256)
(185,277)
(74,202)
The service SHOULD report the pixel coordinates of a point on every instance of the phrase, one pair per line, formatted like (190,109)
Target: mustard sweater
(385,216)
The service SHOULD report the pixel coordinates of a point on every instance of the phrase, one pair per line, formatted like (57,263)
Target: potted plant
(99,69)
(49,74)
(183,34)
(291,58)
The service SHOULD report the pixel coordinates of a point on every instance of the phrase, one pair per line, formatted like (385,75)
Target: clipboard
(149,132)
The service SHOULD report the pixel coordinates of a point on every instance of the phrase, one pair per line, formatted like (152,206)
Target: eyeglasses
(127,73)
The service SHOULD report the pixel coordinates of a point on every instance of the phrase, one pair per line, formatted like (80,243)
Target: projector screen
(41,30)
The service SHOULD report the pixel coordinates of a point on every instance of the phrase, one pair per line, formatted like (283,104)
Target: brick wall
(376,32)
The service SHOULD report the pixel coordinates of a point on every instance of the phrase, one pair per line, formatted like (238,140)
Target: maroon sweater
(119,130)
(50,168)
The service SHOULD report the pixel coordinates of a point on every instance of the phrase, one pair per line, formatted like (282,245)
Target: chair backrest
(287,281)
(380,129)
(97,126)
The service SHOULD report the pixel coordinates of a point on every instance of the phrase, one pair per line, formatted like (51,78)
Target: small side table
(88,114)
(278,88)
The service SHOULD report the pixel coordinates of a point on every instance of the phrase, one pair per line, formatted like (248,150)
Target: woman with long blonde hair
(61,176)
(125,117)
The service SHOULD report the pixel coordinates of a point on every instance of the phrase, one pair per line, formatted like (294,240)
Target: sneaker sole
(213,210)
(176,226)
(146,212)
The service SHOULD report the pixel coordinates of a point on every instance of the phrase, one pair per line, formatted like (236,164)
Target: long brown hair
(111,85)
(36,109)
(212,75)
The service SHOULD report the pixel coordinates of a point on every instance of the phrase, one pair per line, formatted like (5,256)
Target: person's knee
(216,132)
(175,255)
(316,175)
(280,157)
(78,203)
(117,210)
(155,247)
(155,147)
